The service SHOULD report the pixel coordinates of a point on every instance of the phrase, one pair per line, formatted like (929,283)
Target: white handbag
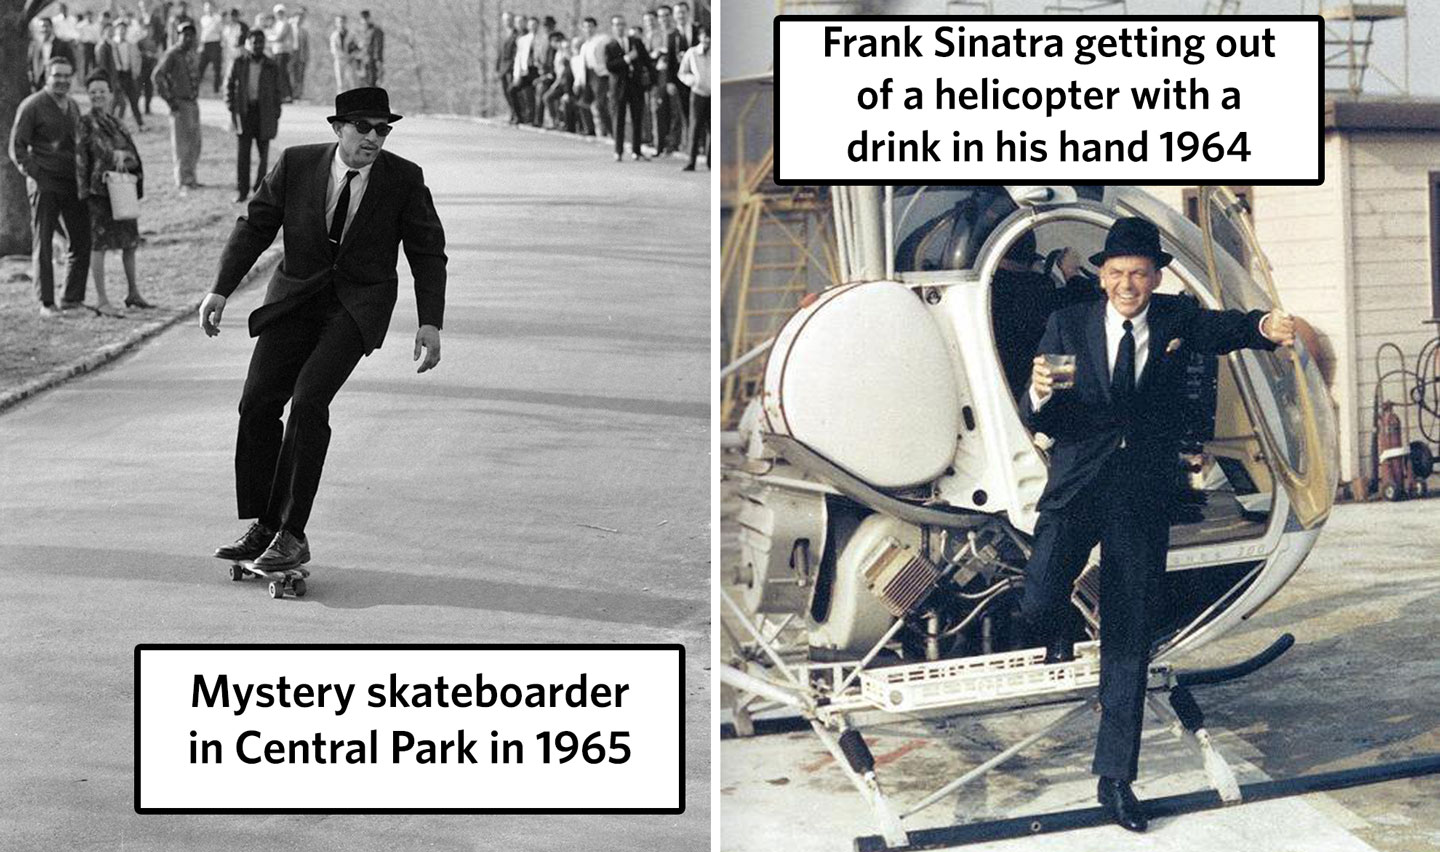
(124,195)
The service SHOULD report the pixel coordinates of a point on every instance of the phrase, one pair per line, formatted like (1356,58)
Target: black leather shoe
(285,551)
(1059,651)
(1120,804)
(249,545)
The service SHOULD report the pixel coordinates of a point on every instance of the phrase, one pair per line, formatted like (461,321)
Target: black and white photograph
(405,341)
(1081,516)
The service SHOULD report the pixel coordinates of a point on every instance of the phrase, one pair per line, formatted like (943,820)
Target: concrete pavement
(573,390)
(1359,688)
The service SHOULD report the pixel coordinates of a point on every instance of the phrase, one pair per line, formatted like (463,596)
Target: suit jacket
(37,59)
(396,209)
(105,61)
(235,97)
(1088,427)
(627,78)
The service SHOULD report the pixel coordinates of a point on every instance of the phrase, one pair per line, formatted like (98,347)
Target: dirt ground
(182,234)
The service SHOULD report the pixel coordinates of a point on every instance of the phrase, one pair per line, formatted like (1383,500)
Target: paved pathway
(573,390)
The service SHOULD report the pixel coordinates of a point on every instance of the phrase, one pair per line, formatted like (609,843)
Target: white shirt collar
(1114,321)
(338,169)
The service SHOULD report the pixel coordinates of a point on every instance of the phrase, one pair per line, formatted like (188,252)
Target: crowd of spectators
(655,75)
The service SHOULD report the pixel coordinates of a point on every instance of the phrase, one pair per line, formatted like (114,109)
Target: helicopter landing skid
(831,696)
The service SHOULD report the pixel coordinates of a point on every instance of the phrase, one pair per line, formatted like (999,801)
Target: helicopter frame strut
(830,696)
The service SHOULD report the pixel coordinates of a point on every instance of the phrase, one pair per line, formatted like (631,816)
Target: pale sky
(746,33)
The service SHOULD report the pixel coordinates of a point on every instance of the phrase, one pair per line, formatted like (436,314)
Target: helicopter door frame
(1258,547)
(1309,494)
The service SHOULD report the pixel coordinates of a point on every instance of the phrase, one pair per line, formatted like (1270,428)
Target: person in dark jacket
(253,95)
(1117,433)
(346,208)
(628,62)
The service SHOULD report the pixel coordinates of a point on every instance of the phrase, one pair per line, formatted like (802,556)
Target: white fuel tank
(862,376)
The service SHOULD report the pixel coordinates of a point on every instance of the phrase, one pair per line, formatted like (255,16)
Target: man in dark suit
(346,207)
(253,95)
(628,62)
(1111,471)
(43,49)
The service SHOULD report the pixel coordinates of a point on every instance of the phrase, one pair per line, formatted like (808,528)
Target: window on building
(1435,245)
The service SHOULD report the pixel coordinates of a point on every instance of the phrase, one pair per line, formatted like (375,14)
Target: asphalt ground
(1358,689)
(573,391)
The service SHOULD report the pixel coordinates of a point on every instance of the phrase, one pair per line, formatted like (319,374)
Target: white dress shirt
(1114,333)
(337,182)
(521,66)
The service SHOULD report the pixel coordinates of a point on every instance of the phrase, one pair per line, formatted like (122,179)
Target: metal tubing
(995,761)
(1166,806)
(757,686)
(759,638)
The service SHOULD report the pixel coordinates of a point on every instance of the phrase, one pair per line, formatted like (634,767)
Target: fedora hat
(365,102)
(1133,237)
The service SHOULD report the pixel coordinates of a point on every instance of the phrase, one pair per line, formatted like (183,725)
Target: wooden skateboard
(291,580)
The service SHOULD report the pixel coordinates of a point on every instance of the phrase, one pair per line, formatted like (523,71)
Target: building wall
(1390,223)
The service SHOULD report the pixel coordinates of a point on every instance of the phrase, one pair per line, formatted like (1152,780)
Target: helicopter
(886,484)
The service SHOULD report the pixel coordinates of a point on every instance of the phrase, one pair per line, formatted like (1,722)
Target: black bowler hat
(366,102)
(1133,237)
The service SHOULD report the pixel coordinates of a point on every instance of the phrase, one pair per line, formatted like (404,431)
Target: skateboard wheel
(237,573)
(275,590)
(299,588)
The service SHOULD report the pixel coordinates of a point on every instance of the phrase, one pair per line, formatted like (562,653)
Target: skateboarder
(328,303)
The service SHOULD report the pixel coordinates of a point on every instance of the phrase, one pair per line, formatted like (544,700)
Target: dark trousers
(522,93)
(660,108)
(129,93)
(623,97)
(509,99)
(1133,532)
(302,358)
(243,184)
(699,127)
(147,85)
(287,91)
(600,89)
(680,97)
(210,55)
(50,209)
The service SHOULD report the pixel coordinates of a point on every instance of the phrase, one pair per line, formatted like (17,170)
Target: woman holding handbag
(106,158)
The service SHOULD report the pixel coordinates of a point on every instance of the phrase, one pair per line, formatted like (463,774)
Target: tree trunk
(14,88)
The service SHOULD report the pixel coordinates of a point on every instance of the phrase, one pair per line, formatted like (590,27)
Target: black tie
(1122,383)
(342,207)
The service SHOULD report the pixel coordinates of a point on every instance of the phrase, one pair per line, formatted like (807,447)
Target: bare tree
(15,18)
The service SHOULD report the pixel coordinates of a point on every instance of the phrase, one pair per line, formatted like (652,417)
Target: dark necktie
(342,207)
(1122,383)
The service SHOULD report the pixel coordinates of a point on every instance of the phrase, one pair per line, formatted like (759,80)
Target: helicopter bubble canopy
(944,227)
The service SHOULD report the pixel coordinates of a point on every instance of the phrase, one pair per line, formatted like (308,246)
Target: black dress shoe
(1120,804)
(1059,651)
(249,545)
(286,551)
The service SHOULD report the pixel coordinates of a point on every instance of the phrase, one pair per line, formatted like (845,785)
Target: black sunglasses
(364,128)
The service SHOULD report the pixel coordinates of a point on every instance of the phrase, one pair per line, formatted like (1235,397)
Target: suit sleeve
(1046,419)
(423,238)
(1219,332)
(253,232)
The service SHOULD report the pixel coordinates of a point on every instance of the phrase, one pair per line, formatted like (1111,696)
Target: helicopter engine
(851,573)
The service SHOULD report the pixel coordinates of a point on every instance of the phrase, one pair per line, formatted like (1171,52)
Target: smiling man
(346,207)
(1117,435)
